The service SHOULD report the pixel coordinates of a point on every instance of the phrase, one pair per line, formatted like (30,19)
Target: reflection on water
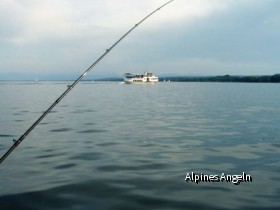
(112,146)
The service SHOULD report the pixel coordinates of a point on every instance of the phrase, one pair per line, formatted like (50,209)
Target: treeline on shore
(225,78)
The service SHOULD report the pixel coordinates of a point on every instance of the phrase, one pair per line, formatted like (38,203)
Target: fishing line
(70,87)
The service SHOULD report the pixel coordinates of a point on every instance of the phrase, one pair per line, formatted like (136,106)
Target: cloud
(33,21)
(188,36)
(241,39)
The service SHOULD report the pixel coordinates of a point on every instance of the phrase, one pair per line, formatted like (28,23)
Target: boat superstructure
(147,77)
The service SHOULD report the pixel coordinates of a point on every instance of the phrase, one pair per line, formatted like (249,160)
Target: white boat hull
(146,78)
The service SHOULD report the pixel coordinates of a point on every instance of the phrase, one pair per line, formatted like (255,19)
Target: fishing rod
(70,87)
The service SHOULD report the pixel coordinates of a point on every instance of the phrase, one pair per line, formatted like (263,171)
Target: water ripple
(61,130)
(113,168)
(65,166)
(48,156)
(88,156)
(83,111)
(107,144)
(102,194)
(93,131)
(5,135)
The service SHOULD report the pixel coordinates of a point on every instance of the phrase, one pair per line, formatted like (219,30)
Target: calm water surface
(114,146)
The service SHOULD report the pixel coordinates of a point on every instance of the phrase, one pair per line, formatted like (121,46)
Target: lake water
(116,146)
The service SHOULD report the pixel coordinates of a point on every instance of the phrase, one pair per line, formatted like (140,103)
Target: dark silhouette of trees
(225,78)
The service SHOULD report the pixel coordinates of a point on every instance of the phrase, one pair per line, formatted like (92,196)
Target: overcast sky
(61,38)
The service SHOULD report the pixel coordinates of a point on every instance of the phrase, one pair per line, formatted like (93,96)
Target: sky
(60,39)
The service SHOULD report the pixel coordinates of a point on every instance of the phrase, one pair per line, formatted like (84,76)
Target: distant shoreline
(225,78)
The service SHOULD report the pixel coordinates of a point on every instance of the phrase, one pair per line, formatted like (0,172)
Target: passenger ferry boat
(147,77)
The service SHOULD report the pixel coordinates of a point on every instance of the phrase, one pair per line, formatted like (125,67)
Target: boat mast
(70,87)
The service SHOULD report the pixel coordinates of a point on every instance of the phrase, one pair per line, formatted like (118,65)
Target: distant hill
(172,77)
(225,78)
